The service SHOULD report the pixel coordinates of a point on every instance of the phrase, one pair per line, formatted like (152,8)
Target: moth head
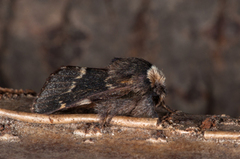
(157,82)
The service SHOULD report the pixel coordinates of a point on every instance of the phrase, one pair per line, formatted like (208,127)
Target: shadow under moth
(127,86)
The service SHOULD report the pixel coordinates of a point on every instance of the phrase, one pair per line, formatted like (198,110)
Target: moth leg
(146,108)
(115,111)
(103,118)
(105,122)
(108,109)
(167,107)
(103,110)
(108,120)
(121,106)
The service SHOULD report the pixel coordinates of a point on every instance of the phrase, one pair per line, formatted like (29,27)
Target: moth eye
(155,98)
(163,89)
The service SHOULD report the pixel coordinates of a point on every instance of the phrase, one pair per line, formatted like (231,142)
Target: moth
(127,86)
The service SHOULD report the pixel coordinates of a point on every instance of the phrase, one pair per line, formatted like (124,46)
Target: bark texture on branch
(177,135)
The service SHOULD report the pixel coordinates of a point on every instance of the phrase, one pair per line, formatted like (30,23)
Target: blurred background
(195,43)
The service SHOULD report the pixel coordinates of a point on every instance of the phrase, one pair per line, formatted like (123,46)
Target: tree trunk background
(195,43)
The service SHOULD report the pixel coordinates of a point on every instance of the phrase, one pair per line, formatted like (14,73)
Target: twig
(148,123)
